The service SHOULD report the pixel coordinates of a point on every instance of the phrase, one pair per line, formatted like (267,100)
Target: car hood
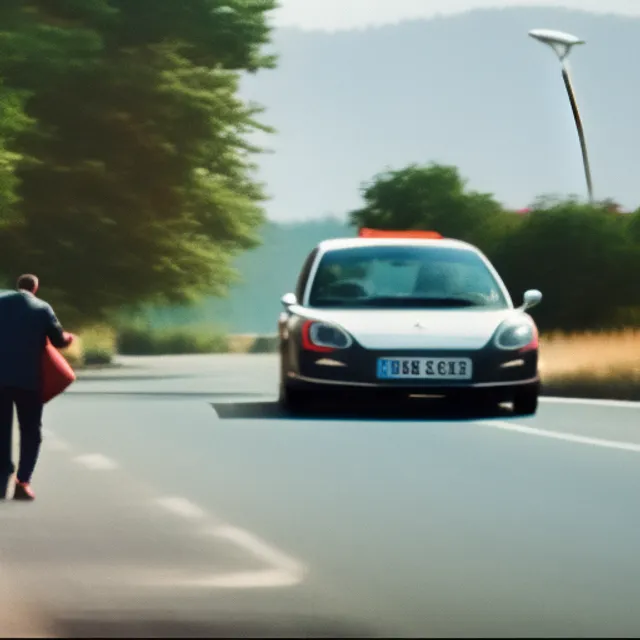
(418,329)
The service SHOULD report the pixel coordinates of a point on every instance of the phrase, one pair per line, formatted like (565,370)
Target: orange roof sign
(380,233)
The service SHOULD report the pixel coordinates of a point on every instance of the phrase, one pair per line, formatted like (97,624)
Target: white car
(401,314)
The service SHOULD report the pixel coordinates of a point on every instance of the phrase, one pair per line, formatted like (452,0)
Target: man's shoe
(23,491)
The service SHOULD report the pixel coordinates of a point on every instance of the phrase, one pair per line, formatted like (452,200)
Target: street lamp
(562,43)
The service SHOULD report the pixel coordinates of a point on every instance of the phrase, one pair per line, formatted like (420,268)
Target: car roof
(351,243)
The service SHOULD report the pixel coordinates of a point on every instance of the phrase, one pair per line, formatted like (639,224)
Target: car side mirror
(532,298)
(289,300)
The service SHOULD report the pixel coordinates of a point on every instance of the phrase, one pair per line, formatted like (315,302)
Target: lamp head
(559,41)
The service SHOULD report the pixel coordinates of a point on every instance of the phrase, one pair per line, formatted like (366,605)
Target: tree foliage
(432,197)
(582,257)
(126,146)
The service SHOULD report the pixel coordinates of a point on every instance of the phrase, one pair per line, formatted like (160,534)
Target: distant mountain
(471,90)
(268,272)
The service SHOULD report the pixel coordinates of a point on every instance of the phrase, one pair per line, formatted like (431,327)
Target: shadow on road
(143,626)
(418,410)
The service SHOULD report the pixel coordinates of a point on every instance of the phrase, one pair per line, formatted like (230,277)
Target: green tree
(13,121)
(432,197)
(140,185)
(579,256)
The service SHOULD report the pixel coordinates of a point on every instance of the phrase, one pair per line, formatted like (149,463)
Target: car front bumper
(354,371)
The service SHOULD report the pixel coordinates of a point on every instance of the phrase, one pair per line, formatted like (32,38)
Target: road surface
(174,501)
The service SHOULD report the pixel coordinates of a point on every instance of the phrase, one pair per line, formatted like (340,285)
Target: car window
(304,274)
(405,277)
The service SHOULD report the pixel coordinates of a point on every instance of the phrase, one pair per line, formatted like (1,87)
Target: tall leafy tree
(137,184)
(430,197)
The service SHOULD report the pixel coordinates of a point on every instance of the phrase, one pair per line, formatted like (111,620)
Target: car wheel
(293,400)
(525,402)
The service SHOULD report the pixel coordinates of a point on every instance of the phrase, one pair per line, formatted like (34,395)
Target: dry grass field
(594,355)
(599,365)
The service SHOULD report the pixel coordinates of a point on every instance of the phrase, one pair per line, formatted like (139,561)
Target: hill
(268,272)
(470,90)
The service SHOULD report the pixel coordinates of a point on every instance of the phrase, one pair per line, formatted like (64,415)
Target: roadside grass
(597,364)
(141,339)
(94,346)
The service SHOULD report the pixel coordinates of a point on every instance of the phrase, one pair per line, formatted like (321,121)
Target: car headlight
(517,336)
(323,337)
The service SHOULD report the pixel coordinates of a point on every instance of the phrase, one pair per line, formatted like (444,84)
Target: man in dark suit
(25,324)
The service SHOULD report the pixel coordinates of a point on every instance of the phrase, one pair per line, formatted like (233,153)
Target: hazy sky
(348,14)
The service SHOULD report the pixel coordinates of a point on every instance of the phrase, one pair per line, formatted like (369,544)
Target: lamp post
(562,43)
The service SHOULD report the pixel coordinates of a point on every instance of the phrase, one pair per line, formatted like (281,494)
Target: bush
(142,340)
(93,346)
(98,345)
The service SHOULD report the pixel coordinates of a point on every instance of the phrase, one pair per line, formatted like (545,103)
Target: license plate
(425,368)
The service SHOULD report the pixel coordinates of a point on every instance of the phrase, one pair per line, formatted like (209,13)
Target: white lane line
(622,404)
(259,549)
(96,462)
(181,507)
(52,441)
(266,579)
(282,571)
(560,435)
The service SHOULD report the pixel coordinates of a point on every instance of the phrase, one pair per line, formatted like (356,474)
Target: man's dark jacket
(25,324)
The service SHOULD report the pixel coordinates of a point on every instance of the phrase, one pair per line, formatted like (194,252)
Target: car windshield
(405,277)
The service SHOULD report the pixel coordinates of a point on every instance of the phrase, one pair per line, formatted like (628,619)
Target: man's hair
(28,282)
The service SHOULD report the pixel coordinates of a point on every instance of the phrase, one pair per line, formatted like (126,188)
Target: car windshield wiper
(400,301)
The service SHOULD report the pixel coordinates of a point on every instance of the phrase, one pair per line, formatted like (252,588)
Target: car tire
(525,401)
(293,400)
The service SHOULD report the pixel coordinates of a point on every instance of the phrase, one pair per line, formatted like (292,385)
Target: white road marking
(622,404)
(51,441)
(181,507)
(560,435)
(283,571)
(267,579)
(259,549)
(96,462)
(172,578)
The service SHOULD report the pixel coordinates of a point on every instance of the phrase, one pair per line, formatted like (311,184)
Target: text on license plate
(425,368)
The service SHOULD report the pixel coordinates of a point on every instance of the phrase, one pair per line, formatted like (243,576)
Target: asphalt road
(174,501)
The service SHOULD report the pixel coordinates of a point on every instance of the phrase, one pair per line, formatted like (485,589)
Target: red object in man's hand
(57,373)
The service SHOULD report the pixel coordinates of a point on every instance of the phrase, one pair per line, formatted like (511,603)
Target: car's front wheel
(525,401)
(293,400)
